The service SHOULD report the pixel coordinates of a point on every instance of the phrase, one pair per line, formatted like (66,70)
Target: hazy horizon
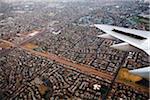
(60,0)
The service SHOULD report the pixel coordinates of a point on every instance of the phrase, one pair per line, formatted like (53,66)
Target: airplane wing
(134,40)
(144,72)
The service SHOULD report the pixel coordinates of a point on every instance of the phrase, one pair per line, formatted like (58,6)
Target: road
(62,60)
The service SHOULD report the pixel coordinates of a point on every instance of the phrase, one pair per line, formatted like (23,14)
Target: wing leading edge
(134,39)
